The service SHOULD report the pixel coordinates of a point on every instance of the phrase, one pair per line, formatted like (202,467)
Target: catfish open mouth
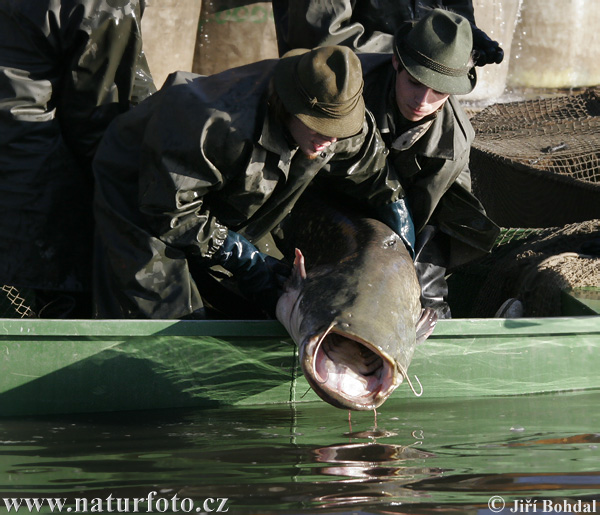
(347,372)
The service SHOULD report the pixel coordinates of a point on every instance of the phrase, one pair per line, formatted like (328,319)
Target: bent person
(198,173)
(412,96)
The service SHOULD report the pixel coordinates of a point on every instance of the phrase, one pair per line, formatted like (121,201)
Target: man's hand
(259,277)
(487,51)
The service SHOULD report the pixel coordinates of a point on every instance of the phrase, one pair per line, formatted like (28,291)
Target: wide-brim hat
(323,88)
(437,50)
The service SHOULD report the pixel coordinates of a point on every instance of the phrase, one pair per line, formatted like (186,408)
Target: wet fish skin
(352,306)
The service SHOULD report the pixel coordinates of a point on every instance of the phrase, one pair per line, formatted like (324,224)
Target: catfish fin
(426,324)
(299,264)
(298,275)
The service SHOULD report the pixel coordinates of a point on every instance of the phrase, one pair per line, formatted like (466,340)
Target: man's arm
(365,25)
(104,70)
(359,168)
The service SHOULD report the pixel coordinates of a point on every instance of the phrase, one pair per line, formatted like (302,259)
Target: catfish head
(355,331)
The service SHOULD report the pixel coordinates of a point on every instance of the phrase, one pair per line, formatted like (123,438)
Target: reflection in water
(371,461)
(372,465)
(510,483)
(573,439)
(424,456)
(370,433)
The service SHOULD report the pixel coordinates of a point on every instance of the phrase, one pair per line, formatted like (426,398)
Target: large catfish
(352,306)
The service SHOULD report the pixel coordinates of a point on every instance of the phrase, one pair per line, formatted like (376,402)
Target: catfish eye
(390,242)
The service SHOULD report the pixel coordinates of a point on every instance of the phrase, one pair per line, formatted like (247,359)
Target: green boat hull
(54,366)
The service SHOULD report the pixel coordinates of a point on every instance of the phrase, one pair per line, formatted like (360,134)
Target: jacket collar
(273,140)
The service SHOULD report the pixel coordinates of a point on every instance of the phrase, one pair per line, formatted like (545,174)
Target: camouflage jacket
(201,156)
(364,25)
(67,68)
(431,161)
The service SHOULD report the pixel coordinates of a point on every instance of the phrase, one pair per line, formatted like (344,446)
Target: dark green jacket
(363,25)
(67,68)
(202,156)
(431,161)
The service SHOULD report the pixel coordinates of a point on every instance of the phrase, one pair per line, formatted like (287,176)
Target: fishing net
(15,302)
(533,266)
(536,163)
(19,302)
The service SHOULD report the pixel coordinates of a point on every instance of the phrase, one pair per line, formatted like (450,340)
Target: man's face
(311,143)
(415,100)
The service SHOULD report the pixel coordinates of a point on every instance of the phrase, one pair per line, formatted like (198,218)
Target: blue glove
(259,277)
(397,217)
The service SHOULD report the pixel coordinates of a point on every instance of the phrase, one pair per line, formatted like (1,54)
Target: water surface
(419,456)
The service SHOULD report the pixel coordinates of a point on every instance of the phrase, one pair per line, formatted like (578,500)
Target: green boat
(79,366)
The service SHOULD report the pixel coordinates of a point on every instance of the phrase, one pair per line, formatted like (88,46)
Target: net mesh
(16,303)
(533,266)
(536,163)
(536,169)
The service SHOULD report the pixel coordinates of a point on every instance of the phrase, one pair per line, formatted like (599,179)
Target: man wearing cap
(201,171)
(429,137)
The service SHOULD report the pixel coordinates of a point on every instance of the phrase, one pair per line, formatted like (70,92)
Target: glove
(260,277)
(487,50)
(397,217)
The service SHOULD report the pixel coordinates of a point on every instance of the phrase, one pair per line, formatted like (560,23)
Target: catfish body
(352,306)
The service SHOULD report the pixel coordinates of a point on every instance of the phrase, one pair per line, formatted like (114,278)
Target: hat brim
(438,81)
(285,78)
